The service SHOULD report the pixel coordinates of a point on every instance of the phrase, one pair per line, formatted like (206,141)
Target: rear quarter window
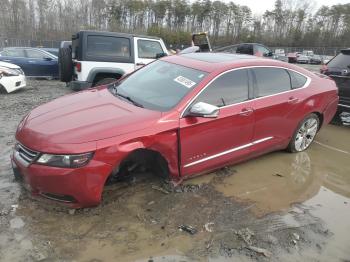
(297,80)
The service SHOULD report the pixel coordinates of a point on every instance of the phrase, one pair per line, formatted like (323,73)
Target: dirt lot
(290,207)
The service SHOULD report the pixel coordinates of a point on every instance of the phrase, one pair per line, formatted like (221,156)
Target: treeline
(290,23)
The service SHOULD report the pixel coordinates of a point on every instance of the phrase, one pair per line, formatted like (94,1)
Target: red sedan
(180,116)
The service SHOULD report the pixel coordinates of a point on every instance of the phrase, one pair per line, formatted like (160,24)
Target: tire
(304,134)
(3,90)
(336,120)
(65,64)
(105,81)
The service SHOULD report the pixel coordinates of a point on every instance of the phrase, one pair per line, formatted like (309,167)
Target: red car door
(208,143)
(275,106)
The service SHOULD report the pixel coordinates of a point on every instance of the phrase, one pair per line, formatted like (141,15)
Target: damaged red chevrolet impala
(180,116)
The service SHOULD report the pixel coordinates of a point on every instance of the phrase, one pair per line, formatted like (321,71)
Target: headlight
(5,71)
(70,161)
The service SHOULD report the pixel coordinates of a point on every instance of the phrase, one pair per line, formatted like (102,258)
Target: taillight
(78,67)
(324,69)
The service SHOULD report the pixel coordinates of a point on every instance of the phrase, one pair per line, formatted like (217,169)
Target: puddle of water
(334,211)
(102,251)
(275,181)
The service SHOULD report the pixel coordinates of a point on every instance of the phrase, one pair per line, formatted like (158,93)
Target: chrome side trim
(344,105)
(229,151)
(307,83)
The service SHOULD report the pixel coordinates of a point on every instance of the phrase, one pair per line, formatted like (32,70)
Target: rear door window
(108,46)
(230,88)
(245,49)
(270,81)
(34,54)
(340,61)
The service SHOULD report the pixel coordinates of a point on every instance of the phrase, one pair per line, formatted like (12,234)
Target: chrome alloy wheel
(306,134)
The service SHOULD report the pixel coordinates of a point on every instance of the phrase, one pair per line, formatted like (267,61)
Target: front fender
(165,143)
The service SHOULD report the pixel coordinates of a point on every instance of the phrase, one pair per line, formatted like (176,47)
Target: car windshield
(158,86)
(340,61)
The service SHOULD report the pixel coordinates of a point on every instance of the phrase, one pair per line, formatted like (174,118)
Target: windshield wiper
(128,98)
(115,91)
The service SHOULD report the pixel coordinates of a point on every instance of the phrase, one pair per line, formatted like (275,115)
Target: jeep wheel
(65,64)
(105,81)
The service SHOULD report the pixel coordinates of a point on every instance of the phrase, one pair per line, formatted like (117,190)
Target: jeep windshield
(158,86)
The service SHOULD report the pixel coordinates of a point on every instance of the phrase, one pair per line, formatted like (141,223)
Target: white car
(11,77)
(303,59)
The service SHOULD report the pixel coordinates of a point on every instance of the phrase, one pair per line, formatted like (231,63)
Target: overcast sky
(259,6)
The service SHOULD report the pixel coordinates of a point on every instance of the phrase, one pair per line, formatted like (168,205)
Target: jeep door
(147,50)
(208,143)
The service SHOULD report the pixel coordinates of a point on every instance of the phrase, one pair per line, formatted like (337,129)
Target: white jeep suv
(96,58)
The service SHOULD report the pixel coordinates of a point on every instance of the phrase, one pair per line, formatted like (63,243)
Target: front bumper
(12,83)
(77,187)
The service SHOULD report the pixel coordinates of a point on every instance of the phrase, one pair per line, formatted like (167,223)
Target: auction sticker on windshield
(184,81)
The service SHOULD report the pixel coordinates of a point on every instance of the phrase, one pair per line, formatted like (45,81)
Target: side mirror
(202,109)
(160,55)
(47,58)
(268,54)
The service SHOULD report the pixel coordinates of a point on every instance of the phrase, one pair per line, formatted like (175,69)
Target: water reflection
(275,181)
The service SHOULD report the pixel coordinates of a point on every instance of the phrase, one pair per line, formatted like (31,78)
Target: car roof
(43,50)
(218,62)
(117,34)
(22,47)
(48,48)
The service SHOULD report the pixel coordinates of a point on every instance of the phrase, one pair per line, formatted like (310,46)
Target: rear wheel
(305,134)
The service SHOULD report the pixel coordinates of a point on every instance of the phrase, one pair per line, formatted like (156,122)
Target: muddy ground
(290,207)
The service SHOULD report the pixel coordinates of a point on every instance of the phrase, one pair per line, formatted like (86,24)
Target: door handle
(246,111)
(293,100)
(7,60)
(140,64)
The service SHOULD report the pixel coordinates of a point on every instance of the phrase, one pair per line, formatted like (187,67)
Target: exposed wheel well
(2,89)
(140,160)
(100,76)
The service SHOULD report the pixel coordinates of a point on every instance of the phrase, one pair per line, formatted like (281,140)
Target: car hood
(8,65)
(87,116)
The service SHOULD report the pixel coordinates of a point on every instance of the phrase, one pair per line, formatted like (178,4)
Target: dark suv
(339,69)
